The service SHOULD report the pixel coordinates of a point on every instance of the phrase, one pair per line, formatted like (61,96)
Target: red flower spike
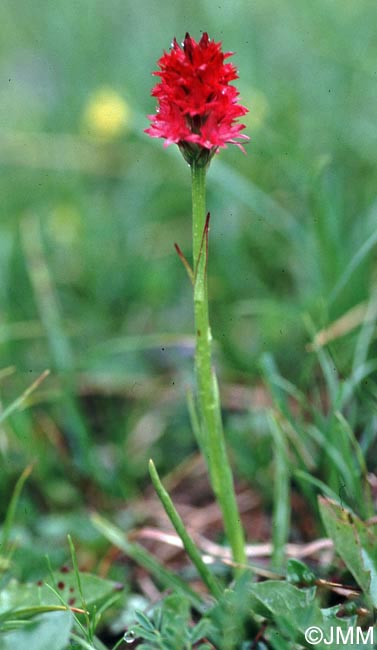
(197,107)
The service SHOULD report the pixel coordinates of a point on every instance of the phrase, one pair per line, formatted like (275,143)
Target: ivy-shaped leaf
(43,632)
(294,611)
(30,598)
(355,542)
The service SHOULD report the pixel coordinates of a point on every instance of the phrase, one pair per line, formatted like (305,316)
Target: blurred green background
(91,286)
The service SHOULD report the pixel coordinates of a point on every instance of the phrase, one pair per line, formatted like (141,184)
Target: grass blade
(11,511)
(61,352)
(357,259)
(20,401)
(282,509)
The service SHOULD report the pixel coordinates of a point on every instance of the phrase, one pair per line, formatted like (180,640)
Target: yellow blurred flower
(106,115)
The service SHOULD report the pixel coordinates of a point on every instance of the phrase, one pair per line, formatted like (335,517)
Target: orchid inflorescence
(197,107)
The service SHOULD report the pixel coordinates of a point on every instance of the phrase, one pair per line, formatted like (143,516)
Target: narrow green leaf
(281,514)
(190,547)
(12,507)
(304,476)
(326,363)
(356,260)
(77,572)
(20,401)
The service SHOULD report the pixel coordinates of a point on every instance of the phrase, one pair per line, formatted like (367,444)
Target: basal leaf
(294,611)
(44,632)
(17,597)
(355,542)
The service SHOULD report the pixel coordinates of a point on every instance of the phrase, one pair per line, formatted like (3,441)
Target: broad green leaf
(355,542)
(27,599)
(295,610)
(43,632)
(283,599)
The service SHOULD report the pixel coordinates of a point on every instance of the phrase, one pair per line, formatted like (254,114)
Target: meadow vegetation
(92,290)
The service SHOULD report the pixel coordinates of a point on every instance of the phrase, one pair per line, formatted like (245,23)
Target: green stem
(208,397)
(179,526)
